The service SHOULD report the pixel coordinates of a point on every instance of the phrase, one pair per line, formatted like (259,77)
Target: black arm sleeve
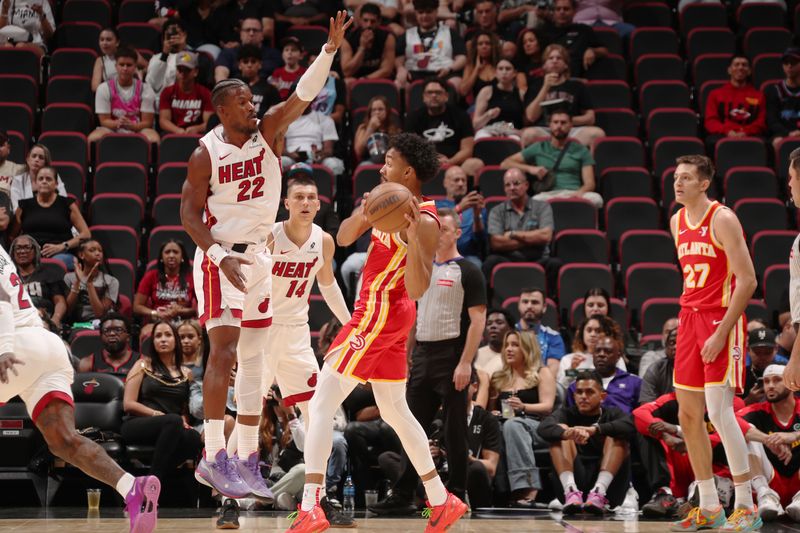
(617,424)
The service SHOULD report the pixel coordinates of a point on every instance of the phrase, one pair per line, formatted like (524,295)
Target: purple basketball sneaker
(141,503)
(250,473)
(221,475)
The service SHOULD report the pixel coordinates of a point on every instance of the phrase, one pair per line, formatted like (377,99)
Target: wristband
(216,253)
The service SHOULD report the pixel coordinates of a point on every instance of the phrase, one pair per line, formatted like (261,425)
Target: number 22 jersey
(244,189)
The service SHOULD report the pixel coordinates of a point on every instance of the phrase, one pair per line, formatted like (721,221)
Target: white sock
(744,495)
(666,490)
(709,499)
(436,492)
(568,481)
(311,496)
(604,479)
(247,439)
(759,484)
(125,484)
(214,431)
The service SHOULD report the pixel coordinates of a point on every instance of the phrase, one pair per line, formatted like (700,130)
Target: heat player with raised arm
(372,346)
(228,207)
(792,374)
(35,366)
(718,281)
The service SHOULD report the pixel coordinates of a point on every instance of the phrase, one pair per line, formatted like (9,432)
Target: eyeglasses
(113,329)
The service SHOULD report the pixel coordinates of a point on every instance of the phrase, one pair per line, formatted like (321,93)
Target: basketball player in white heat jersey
(791,376)
(35,366)
(228,207)
(302,252)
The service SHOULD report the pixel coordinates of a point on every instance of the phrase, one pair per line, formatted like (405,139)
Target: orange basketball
(386,207)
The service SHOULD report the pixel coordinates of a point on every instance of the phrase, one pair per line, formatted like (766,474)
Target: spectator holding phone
(762,351)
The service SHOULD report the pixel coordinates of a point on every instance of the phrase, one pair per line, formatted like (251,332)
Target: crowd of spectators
(530,407)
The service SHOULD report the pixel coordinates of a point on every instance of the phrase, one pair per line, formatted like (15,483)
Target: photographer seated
(589,448)
(560,166)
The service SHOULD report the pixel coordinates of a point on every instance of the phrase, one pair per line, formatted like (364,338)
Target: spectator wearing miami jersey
(125,104)
(283,77)
(185,107)
(737,109)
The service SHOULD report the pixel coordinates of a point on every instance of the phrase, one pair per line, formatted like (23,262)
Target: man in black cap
(762,351)
(783,100)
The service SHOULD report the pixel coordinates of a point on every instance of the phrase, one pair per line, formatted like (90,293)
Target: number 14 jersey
(293,272)
(244,189)
(708,279)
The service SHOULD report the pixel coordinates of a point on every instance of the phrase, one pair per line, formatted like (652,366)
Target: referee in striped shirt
(450,320)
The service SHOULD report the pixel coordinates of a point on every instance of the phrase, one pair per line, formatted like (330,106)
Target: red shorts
(786,487)
(372,346)
(691,373)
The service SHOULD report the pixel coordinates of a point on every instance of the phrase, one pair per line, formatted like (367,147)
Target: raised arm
(278,118)
(353,226)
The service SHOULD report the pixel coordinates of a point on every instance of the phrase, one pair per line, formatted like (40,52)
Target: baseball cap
(291,40)
(774,370)
(186,59)
(761,337)
(792,52)
(299,168)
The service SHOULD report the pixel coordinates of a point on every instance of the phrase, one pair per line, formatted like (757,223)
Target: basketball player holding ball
(718,281)
(372,346)
(228,207)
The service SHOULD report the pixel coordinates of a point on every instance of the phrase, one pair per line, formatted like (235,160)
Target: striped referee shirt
(456,285)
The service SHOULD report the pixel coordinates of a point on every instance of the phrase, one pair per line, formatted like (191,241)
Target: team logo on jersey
(357,343)
(737,353)
(312,245)
(263,307)
(89,386)
(703,231)
(312,381)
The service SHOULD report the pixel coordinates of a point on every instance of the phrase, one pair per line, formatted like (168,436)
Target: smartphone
(760,383)
(475,188)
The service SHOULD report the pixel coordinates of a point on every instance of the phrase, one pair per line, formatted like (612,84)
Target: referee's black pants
(429,387)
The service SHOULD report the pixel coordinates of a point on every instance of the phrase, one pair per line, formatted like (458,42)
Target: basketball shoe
(222,475)
(443,516)
(697,519)
(141,503)
(312,521)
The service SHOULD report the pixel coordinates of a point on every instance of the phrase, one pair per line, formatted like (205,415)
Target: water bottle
(349,492)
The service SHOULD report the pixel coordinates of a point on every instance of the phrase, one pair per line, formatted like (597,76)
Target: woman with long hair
(166,292)
(92,291)
(528,59)
(482,56)
(587,334)
(156,403)
(377,120)
(500,107)
(193,346)
(45,288)
(24,185)
(523,392)
(49,218)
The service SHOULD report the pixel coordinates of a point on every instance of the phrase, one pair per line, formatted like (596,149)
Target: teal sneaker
(697,520)
(742,520)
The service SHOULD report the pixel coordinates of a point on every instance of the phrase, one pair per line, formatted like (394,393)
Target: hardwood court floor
(192,520)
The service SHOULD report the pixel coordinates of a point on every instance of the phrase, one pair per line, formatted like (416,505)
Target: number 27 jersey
(708,280)
(293,273)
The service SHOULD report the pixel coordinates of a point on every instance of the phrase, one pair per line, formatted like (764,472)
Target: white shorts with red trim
(215,293)
(46,375)
(290,360)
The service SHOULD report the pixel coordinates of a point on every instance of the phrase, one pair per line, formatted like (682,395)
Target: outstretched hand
(338,27)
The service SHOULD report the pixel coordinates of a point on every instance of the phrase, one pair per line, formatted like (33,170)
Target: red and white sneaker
(312,521)
(441,517)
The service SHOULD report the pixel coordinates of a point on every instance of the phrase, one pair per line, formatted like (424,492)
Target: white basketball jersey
(293,275)
(794,280)
(244,191)
(13,290)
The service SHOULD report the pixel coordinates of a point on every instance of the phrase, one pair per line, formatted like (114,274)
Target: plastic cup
(370,497)
(93,498)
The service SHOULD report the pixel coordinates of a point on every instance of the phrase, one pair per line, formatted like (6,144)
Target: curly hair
(419,153)
(608,328)
(472,52)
